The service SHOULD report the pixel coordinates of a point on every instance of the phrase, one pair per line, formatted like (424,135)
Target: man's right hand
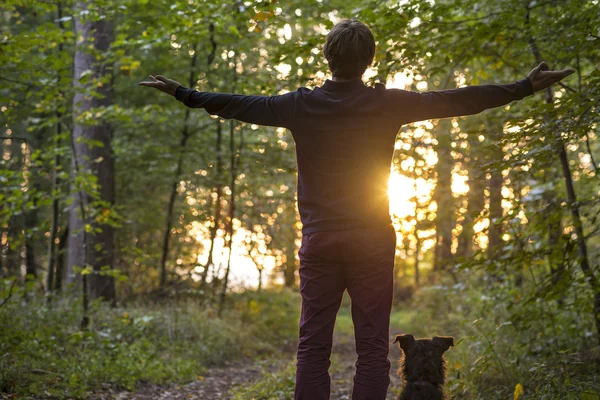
(541,77)
(161,83)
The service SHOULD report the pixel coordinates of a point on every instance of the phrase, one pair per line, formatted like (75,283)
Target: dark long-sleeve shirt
(345,134)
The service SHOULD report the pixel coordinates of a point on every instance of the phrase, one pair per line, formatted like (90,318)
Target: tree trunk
(234,162)
(217,216)
(495,186)
(185,135)
(475,198)
(51,266)
(443,196)
(16,223)
(219,185)
(260,280)
(92,157)
(417,251)
(13,247)
(60,259)
(30,262)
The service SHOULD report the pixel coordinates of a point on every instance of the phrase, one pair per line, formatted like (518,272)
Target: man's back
(344,145)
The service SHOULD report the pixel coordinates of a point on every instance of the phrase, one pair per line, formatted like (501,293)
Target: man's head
(349,49)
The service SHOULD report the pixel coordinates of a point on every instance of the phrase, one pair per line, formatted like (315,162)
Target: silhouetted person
(345,133)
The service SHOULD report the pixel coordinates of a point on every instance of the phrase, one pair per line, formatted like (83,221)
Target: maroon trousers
(361,261)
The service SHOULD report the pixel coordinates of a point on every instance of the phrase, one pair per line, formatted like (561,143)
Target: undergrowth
(43,352)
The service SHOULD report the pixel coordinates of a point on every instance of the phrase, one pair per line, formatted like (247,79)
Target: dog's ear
(443,342)
(405,341)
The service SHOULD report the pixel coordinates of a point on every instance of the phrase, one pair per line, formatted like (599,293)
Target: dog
(423,368)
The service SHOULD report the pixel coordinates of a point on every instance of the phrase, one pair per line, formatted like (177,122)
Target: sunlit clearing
(402,192)
(243,270)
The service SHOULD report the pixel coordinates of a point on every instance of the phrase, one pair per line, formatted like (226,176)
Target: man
(345,133)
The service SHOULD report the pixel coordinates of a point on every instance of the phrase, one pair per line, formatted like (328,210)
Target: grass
(44,353)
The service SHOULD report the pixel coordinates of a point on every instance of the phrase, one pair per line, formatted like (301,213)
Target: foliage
(46,354)
(505,338)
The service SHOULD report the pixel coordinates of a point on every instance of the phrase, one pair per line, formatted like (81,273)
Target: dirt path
(343,368)
(214,385)
(217,382)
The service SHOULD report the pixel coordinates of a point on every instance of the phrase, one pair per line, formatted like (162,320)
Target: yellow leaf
(261,16)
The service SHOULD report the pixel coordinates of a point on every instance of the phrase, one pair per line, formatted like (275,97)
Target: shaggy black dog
(423,368)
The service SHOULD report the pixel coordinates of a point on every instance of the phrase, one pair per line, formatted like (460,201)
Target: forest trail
(342,369)
(217,383)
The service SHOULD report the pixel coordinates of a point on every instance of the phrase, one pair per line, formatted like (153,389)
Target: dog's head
(423,359)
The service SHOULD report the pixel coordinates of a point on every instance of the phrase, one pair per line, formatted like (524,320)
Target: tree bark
(30,259)
(234,162)
(218,207)
(219,166)
(60,259)
(92,156)
(51,265)
(495,186)
(475,198)
(443,196)
(417,251)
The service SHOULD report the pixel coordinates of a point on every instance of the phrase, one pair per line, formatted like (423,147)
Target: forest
(149,250)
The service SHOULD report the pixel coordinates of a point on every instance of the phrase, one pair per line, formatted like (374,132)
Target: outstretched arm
(470,100)
(260,110)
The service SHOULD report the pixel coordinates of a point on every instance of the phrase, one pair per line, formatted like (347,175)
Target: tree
(91,240)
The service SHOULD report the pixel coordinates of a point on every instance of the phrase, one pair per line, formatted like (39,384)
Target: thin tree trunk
(51,266)
(219,185)
(60,259)
(260,280)
(475,198)
(30,262)
(185,135)
(15,226)
(234,162)
(443,196)
(417,251)
(217,215)
(495,185)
